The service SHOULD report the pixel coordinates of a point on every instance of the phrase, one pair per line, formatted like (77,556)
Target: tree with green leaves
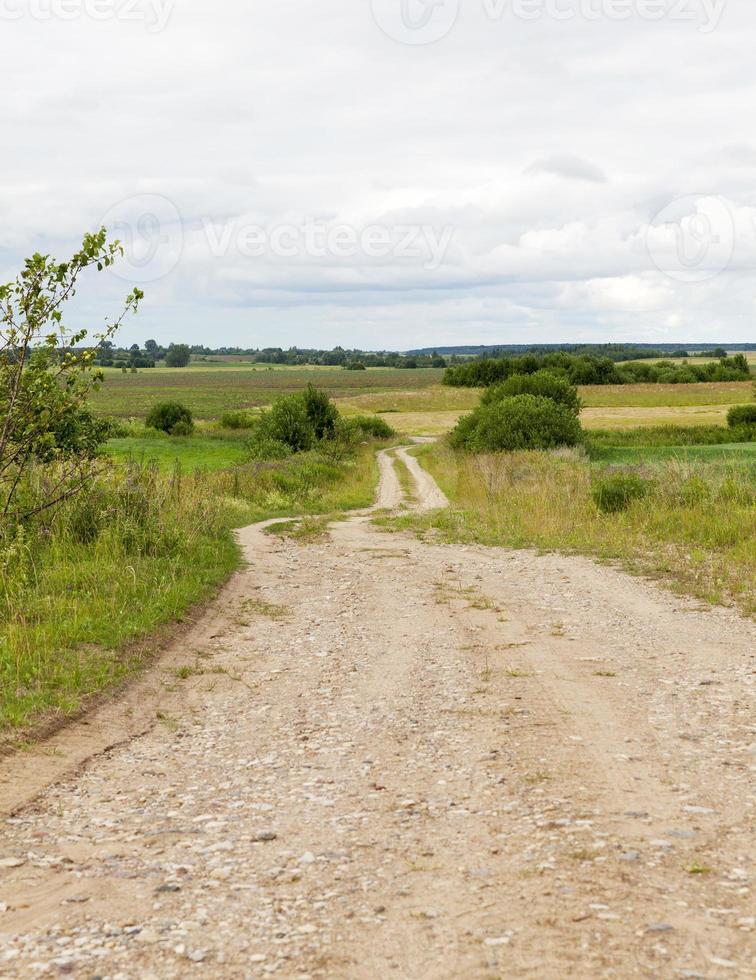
(46,376)
(178,355)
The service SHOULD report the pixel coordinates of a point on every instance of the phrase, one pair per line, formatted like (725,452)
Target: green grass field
(193,452)
(739,453)
(209,390)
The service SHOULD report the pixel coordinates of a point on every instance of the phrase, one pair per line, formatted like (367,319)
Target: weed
(698,869)
(270,610)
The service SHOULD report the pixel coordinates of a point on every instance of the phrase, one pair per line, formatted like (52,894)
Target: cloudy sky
(390,173)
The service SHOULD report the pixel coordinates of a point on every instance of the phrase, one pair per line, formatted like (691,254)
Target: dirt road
(386,758)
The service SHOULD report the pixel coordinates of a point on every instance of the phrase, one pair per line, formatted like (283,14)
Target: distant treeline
(584,369)
(615,352)
(338,357)
(179,355)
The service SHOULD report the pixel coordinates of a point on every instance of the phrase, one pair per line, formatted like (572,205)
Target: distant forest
(615,352)
(180,355)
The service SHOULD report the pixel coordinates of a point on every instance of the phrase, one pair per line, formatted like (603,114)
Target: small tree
(178,355)
(46,377)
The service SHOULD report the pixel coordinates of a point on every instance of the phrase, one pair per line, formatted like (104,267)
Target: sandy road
(396,759)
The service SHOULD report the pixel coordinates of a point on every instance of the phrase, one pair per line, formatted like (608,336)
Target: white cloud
(546,148)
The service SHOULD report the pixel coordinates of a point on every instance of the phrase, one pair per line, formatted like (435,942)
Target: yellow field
(437,409)
(634,418)
(647,395)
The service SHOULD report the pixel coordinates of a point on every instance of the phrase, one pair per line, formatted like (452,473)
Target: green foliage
(238,419)
(543,383)
(179,355)
(669,435)
(171,417)
(287,423)
(368,425)
(586,369)
(294,424)
(263,447)
(182,428)
(321,412)
(46,378)
(615,492)
(520,422)
(742,415)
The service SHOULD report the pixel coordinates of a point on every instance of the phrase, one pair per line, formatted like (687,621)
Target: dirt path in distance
(387,758)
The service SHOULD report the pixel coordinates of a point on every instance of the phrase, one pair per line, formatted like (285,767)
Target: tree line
(586,369)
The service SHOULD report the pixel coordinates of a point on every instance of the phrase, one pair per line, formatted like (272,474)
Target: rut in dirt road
(401,759)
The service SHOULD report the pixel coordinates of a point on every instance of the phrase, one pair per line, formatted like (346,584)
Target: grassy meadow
(210,389)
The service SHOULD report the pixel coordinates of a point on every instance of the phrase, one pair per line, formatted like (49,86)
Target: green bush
(368,425)
(182,428)
(741,415)
(238,419)
(543,383)
(615,492)
(520,422)
(321,412)
(296,421)
(165,416)
(262,448)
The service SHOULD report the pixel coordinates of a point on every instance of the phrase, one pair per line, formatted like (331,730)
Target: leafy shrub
(741,415)
(520,422)
(589,369)
(543,383)
(116,428)
(615,492)
(263,447)
(368,425)
(285,422)
(321,412)
(182,428)
(296,421)
(238,419)
(165,416)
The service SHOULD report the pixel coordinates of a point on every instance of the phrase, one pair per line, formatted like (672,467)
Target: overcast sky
(394,173)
